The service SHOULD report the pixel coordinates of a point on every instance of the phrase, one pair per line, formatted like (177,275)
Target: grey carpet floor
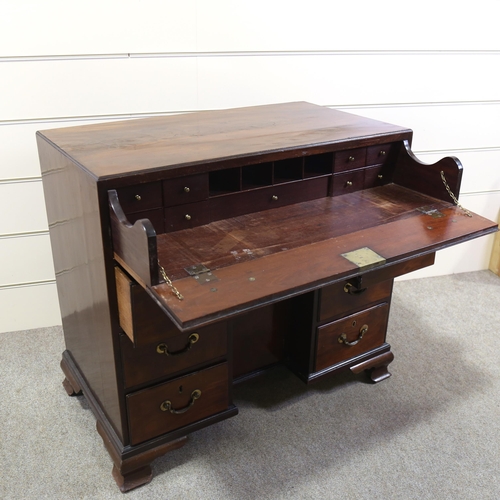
(431,431)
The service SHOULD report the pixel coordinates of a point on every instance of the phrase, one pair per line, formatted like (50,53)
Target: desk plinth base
(131,464)
(374,363)
(129,473)
(376,367)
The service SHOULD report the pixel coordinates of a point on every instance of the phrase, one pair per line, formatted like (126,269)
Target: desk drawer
(140,197)
(151,362)
(349,159)
(379,154)
(187,189)
(192,398)
(344,338)
(377,176)
(186,216)
(335,300)
(235,204)
(348,182)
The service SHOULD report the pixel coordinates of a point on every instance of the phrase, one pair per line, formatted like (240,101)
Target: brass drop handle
(352,290)
(163,348)
(138,197)
(343,338)
(186,189)
(167,405)
(187,217)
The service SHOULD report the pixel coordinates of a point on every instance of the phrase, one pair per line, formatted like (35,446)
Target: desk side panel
(75,233)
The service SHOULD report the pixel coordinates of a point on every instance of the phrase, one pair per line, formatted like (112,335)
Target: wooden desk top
(111,150)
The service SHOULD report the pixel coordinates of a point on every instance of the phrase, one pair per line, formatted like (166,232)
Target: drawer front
(340,340)
(185,189)
(170,355)
(280,195)
(376,176)
(379,154)
(349,159)
(186,216)
(340,298)
(348,182)
(150,414)
(140,197)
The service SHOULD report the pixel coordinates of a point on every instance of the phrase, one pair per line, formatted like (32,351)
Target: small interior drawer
(185,189)
(348,182)
(346,338)
(165,357)
(344,298)
(140,318)
(379,154)
(279,195)
(349,159)
(186,216)
(377,176)
(140,197)
(171,405)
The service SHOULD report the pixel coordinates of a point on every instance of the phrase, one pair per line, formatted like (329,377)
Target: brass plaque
(364,258)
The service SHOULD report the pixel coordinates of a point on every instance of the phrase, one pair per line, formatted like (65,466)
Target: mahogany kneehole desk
(194,251)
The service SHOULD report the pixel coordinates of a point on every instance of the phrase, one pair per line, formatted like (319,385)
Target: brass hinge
(201,273)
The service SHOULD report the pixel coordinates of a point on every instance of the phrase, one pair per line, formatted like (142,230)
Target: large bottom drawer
(351,336)
(185,400)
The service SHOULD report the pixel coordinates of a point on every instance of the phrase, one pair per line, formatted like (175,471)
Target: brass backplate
(364,258)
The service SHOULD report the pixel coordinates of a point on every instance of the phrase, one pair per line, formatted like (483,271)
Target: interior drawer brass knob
(348,183)
(382,153)
(186,189)
(138,197)
(274,198)
(351,158)
(187,217)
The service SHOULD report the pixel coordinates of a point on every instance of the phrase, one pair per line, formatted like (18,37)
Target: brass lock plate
(364,258)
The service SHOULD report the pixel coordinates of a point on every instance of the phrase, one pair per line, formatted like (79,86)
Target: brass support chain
(453,197)
(169,283)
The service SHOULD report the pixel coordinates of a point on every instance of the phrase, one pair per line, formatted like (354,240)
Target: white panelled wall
(433,68)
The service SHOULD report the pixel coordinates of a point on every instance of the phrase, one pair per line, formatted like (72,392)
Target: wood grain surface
(114,149)
(292,254)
